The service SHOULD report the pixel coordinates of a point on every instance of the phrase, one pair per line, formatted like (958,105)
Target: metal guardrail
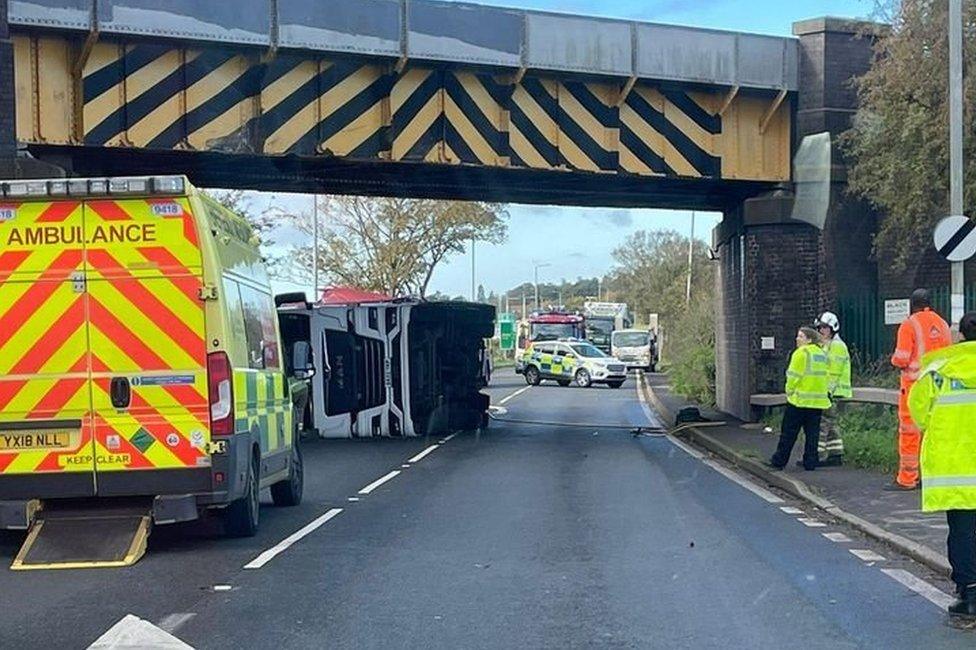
(865,394)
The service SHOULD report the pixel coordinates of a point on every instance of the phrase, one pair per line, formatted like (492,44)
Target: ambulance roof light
(82,187)
(98,186)
(168,185)
(128,185)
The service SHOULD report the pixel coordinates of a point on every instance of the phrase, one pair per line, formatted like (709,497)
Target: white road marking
(134,632)
(790,510)
(928,591)
(840,538)
(761,492)
(867,555)
(449,438)
(422,454)
(513,395)
(222,587)
(172,622)
(283,545)
(811,522)
(380,481)
(353,499)
(405,466)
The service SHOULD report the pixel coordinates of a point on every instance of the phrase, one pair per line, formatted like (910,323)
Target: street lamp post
(315,247)
(957,302)
(538,265)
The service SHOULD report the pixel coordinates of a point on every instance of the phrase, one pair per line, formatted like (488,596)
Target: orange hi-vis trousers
(909,439)
(921,332)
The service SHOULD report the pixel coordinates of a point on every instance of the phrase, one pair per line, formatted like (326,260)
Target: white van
(636,348)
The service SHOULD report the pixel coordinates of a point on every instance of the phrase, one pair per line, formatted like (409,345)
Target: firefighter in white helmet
(831,446)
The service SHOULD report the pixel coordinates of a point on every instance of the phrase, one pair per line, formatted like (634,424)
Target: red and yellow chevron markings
(136,313)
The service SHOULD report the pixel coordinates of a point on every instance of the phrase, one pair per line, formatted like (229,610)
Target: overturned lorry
(397,368)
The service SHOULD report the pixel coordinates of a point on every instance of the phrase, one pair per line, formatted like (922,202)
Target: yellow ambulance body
(139,354)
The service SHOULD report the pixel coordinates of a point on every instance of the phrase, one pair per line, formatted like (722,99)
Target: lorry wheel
(532,377)
(289,492)
(241,516)
(583,379)
(563,382)
(615,384)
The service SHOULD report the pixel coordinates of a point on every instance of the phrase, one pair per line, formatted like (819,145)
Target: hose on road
(637,431)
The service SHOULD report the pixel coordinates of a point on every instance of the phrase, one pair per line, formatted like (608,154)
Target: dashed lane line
(790,510)
(513,395)
(283,545)
(810,522)
(840,538)
(928,591)
(380,481)
(422,454)
(448,438)
(867,555)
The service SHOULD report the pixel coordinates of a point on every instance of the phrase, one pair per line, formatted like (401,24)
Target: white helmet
(829,319)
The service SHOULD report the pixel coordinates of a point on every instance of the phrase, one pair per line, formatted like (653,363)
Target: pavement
(854,490)
(567,532)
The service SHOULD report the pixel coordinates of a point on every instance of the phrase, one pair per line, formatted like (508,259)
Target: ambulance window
(259,328)
(235,311)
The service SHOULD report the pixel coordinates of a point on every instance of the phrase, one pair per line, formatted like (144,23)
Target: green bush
(870,434)
(878,373)
(691,352)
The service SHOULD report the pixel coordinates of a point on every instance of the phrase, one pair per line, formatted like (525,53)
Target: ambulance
(141,370)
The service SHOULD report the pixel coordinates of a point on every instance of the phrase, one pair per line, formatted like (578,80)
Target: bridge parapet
(430,30)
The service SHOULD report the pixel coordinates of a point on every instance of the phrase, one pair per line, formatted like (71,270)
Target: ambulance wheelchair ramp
(86,536)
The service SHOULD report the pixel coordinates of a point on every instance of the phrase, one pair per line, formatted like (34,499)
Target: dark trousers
(795,418)
(962,547)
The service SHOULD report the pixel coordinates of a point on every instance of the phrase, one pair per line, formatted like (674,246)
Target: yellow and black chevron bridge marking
(220,99)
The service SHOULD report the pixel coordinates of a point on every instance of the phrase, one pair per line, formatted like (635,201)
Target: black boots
(964,609)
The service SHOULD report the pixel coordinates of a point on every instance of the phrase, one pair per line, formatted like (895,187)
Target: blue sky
(588,236)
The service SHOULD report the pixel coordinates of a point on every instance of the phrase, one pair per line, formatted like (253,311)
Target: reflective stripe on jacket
(922,332)
(838,368)
(943,404)
(806,378)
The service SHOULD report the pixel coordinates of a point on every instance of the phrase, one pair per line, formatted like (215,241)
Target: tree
(652,270)
(898,144)
(482,296)
(391,245)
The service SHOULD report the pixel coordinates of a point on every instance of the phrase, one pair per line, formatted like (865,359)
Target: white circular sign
(955,238)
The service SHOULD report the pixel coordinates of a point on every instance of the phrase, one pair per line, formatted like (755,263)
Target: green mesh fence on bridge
(864,329)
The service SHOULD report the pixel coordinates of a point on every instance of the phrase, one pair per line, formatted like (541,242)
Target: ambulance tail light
(220,383)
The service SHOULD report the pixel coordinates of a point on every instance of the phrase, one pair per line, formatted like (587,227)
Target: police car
(571,361)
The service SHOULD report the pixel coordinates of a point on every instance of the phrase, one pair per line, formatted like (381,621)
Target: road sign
(955,238)
(506,331)
(896,311)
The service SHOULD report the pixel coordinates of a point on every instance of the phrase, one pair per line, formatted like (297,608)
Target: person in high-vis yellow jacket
(806,396)
(943,405)
(838,386)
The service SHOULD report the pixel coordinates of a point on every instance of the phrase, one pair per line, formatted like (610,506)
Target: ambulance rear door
(150,404)
(45,426)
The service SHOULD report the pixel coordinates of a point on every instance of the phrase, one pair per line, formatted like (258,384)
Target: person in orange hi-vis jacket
(923,331)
